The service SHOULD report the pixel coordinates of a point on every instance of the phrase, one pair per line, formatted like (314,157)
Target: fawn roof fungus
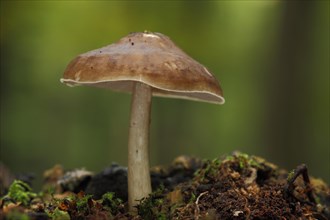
(150,58)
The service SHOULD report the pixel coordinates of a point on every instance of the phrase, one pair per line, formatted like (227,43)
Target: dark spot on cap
(91,67)
(132,43)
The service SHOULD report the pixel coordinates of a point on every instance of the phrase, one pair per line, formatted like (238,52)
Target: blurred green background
(271,57)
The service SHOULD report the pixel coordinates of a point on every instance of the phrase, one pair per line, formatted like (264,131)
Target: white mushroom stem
(139,184)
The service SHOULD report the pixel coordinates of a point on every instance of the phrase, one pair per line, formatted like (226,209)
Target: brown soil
(234,187)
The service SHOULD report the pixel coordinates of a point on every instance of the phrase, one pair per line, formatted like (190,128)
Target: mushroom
(143,64)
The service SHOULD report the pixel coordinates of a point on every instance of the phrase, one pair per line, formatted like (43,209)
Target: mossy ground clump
(238,186)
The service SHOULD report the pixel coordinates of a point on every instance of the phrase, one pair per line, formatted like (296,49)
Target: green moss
(59,215)
(82,203)
(229,157)
(209,170)
(291,175)
(112,203)
(192,198)
(16,215)
(153,207)
(254,163)
(318,200)
(245,160)
(20,192)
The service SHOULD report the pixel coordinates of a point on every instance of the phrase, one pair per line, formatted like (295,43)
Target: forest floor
(237,186)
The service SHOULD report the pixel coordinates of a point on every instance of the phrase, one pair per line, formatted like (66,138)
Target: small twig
(300,170)
(197,207)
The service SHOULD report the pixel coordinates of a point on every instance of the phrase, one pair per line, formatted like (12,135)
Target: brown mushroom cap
(150,58)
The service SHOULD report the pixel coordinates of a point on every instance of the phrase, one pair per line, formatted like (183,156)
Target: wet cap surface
(150,58)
